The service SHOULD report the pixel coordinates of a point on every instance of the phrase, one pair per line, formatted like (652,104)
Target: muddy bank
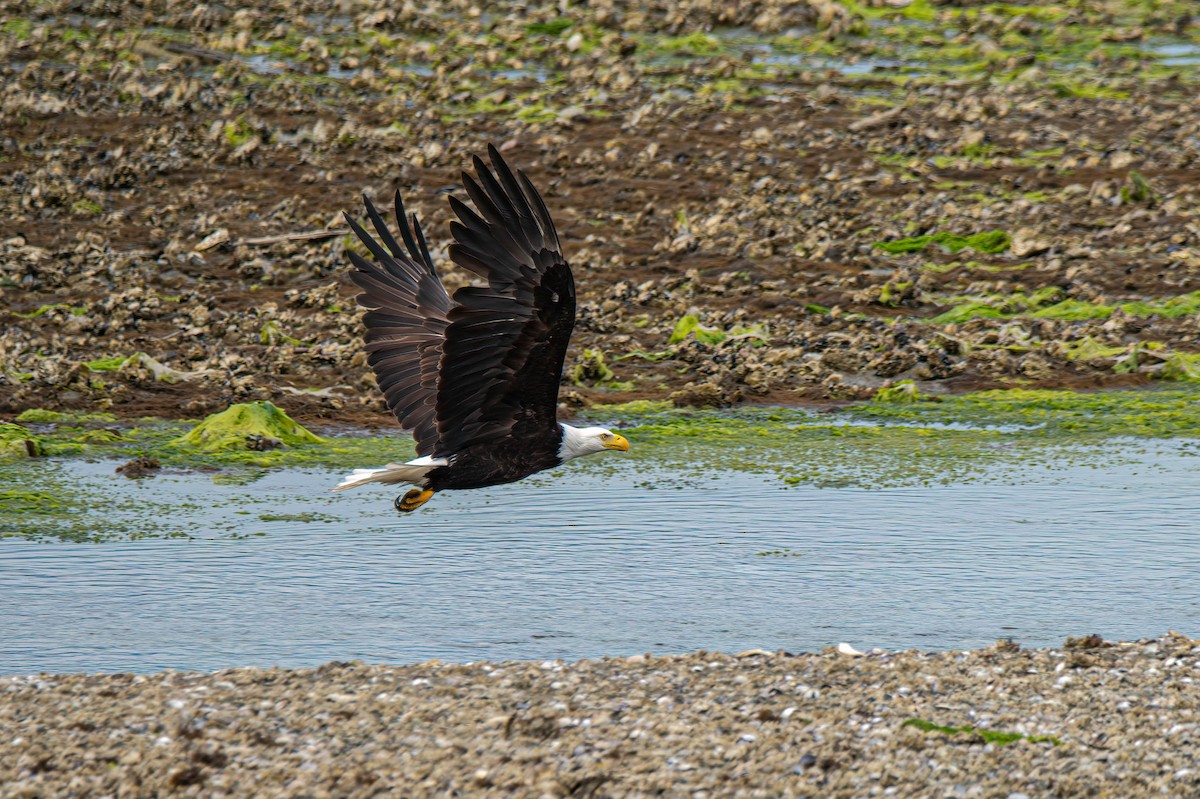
(789,202)
(1090,719)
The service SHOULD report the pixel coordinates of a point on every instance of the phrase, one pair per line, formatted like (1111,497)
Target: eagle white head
(578,441)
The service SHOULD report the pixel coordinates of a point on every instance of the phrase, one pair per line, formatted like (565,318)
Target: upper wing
(406,320)
(504,349)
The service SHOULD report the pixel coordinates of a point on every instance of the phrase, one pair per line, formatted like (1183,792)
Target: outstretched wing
(406,321)
(503,354)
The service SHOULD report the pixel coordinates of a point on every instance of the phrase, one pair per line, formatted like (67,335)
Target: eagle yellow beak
(618,442)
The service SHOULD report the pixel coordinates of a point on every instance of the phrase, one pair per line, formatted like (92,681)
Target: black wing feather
(542,213)
(406,321)
(381,229)
(505,344)
(488,368)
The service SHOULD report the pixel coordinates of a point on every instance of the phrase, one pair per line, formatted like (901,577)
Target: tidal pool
(608,558)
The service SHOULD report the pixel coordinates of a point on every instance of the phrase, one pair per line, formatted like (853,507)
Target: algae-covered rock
(238,425)
(43,416)
(139,467)
(591,369)
(1181,366)
(17,442)
(902,392)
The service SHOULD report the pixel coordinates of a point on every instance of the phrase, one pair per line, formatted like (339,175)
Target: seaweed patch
(241,425)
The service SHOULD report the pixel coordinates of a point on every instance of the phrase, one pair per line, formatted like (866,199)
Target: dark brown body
(489,465)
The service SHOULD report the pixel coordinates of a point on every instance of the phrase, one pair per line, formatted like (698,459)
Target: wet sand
(1091,719)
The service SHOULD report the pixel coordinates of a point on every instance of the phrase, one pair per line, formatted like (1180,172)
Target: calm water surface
(589,564)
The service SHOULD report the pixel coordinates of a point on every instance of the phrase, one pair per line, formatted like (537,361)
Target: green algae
(988,736)
(1181,366)
(87,207)
(54,505)
(1138,190)
(307,517)
(271,334)
(647,356)
(904,391)
(99,435)
(989,242)
(591,369)
(1070,309)
(238,132)
(110,364)
(999,306)
(10,431)
(19,501)
(1050,303)
(232,428)
(917,10)
(19,28)
(801,448)
(635,408)
(17,442)
(1057,415)
(941,269)
(45,502)
(893,292)
(45,309)
(782,552)
(552,27)
(1183,305)
(696,44)
(1088,91)
(1042,13)
(690,325)
(42,416)
(1063,416)
(994,436)
(1088,349)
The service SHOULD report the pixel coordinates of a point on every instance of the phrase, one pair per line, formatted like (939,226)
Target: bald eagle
(475,380)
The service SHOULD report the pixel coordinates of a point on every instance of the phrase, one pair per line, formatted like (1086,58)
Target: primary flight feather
(474,378)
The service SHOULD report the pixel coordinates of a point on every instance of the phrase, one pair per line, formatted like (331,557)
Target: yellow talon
(413,500)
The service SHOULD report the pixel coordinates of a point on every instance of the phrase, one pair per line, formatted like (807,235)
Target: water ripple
(587,564)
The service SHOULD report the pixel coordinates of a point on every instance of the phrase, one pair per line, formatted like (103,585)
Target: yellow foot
(413,500)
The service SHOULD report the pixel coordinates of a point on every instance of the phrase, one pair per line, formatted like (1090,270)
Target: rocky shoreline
(1092,718)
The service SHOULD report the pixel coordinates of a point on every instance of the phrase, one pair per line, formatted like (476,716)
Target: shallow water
(1174,53)
(583,563)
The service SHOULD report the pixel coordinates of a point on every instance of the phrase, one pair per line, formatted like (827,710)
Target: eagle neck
(572,445)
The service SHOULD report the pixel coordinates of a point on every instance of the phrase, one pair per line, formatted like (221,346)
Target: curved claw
(413,500)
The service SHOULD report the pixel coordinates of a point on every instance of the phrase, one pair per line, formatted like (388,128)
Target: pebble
(447,729)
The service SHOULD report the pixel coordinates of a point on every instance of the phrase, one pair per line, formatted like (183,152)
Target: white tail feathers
(412,472)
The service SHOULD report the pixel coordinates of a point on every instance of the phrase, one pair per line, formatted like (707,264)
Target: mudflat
(768,202)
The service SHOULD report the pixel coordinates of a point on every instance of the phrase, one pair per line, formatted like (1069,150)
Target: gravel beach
(1093,718)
